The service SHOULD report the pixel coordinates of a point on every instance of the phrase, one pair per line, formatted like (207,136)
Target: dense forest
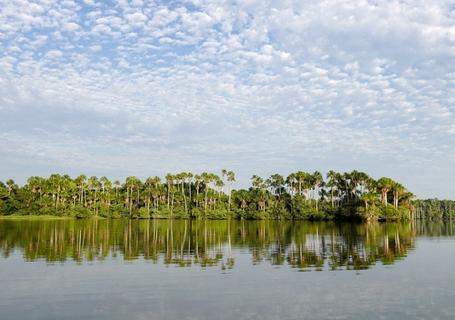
(300,195)
(434,209)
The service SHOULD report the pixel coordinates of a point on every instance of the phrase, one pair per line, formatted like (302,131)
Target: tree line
(434,209)
(299,195)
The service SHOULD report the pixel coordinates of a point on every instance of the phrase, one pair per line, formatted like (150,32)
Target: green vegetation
(434,209)
(300,195)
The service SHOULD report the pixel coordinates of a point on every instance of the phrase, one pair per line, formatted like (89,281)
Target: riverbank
(207,218)
(43,217)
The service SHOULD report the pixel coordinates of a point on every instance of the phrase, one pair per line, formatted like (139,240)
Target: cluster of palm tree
(300,195)
(178,195)
(309,195)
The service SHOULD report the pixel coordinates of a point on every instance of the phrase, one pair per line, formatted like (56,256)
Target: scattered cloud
(145,87)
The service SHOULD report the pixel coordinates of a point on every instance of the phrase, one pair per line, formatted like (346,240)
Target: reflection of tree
(301,245)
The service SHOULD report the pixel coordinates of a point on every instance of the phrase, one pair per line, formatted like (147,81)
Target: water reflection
(300,245)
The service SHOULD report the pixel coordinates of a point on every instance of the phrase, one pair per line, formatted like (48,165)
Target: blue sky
(143,88)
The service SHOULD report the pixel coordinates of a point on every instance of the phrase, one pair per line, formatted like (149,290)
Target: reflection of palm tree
(302,245)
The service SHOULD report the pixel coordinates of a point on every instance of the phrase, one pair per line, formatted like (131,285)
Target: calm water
(225,270)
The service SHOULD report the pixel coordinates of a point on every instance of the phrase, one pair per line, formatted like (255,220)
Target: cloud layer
(145,87)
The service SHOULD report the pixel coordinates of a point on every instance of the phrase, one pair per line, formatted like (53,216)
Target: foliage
(80,212)
(434,209)
(300,195)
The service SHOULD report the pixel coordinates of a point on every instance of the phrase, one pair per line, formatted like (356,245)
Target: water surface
(115,269)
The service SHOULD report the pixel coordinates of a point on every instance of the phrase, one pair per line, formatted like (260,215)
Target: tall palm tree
(198,181)
(94,186)
(169,182)
(397,190)
(132,183)
(11,186)
(117,186)
(207,178)
(230,175)
(331,183)
(80,181)
(385,185)
(290,182)
(317,181)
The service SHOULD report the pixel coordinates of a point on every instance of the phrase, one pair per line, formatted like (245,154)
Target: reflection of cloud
(301,84)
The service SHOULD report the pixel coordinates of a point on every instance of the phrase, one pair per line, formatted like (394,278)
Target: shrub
(388,213)
(81,212)
(144,213)
(217,214)
(119,211)
(104,212)
(161,213)
(372,213)
(197,213)
(46,211)
(8,207)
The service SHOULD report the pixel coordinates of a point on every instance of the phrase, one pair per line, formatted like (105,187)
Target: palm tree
(117,186)
(94,185)
(181,178)
(11,186)
(257,182)
(276,183)
(230,175)
(259,187)
(169,182)
(331,183)
(290,182)
(301,177)
(347,190)
(198,180)
(131,183)
(317,181)
(397,190)
(80,181)
(207,178)
(55,181)
(368,199)
(36,185)
(149,185)
(105,190)
(385,185)
(189,180)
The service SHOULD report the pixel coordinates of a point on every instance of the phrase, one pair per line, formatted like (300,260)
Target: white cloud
(136,18)
(52,54)
(71,26)
(298,83)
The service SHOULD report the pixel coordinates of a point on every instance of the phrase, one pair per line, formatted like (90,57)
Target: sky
(143,88)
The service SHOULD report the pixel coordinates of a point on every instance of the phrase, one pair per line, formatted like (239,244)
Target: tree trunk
(172,204)
(168,194)
(205,201)
(229,201)
(131,201)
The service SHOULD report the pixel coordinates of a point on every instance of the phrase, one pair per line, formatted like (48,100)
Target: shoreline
(51,217)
